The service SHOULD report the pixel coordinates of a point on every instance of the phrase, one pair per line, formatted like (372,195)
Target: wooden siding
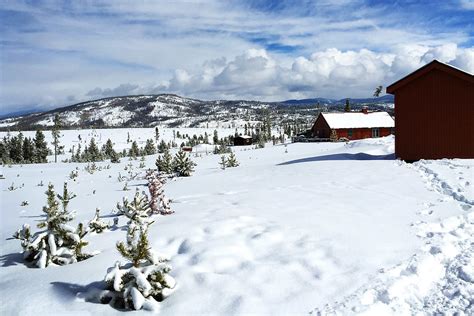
(434,117)
(321,129)
(361,133)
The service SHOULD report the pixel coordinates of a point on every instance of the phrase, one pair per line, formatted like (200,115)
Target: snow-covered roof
(358,120)
(245,136)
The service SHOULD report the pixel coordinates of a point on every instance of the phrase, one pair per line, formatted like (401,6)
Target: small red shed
(353,125)
(434,113)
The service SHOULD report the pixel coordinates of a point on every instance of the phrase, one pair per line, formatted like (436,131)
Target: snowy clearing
(327,228)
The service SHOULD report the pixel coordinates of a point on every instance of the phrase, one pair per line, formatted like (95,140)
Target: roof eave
(435,64)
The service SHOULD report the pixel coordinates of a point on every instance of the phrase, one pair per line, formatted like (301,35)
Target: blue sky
(55,53)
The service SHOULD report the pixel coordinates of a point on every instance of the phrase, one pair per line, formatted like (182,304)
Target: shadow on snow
(345,156)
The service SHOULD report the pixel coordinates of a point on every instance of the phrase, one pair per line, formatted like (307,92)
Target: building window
(349,133)
(375,132)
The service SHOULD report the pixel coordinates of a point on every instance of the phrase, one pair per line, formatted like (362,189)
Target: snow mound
(374,146)
(438,280)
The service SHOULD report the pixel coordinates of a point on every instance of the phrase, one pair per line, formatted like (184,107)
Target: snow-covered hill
(144,111)
(296,228)
(168,110)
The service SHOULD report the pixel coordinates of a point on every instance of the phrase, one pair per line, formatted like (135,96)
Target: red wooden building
(434,113)
(353,125)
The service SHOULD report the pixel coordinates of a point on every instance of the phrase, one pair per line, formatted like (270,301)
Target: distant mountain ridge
(171,110)
(383,99)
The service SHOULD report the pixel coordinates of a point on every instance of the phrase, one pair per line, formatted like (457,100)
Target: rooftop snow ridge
(358,120)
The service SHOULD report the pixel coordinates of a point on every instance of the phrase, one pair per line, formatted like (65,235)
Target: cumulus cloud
(256,74)
(55,54)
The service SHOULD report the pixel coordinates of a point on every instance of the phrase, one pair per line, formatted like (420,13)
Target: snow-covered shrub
(159,203)
(137,211)
(96,224)
(74,174)
(91,168)
(125,187)
(182,165)
(223,162)
(59,243)
(144,281)
(232,161)
(12,187)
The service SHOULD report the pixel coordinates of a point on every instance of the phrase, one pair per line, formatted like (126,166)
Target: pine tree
(147,280)
(93,152)
(157,134)
(4,152)
(182,165)
(215,138)
(232,161)
(149,147)
(348,106)
(28,150)
(378,91)
(134,150)
(223,162)
(66,197)
(137,211)
(59,243)
(108,149)
(56,133)
(41,149)
(164,163)
(16,148)
(162,147)
(96,224)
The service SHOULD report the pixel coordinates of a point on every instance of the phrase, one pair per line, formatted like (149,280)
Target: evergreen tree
(182,165)
(347,108)
(96,224)
(28,150)
(164,163)
(157,134)
(223,162)
(162,147)
(134,150)
(378,91)
(56,133)
(16,148)
(108,149)
(41,148)
(4,152)
(93,152)
(149,147)
(232,161)
(215,138)
(59,243)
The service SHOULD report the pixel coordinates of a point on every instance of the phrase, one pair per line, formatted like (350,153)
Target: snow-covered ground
(119,136)
(296,229)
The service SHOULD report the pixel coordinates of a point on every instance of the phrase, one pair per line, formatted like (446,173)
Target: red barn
(434,113)
(353,125)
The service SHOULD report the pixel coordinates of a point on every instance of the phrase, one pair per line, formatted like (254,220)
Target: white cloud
(256,74)
(467,4)
(212,49)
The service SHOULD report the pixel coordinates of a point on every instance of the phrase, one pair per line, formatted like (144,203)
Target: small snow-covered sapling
(58,243)
(96,224)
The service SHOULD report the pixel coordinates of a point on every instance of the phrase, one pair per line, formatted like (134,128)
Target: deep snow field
(328,228)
